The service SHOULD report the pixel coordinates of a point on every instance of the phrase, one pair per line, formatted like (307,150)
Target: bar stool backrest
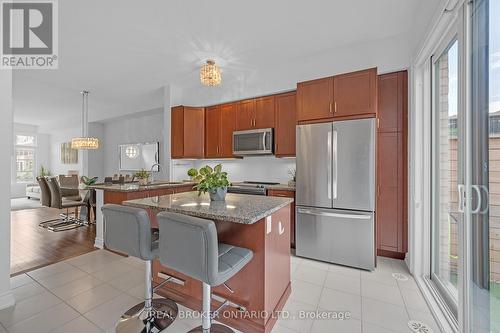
(127,230)
(189,245)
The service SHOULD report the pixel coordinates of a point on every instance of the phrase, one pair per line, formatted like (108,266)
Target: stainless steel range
(250,187)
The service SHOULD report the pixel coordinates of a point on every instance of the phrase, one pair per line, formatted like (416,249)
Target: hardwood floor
(33,247)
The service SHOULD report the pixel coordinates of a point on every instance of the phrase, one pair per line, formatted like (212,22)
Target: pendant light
(210,74)
(85,142)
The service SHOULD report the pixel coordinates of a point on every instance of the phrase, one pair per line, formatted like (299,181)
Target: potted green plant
(43,172)
(211,180)
(87,181)
(142,176)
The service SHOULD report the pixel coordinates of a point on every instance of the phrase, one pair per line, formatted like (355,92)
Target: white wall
(387,54)
(96,157)
(6,298)
(136,128)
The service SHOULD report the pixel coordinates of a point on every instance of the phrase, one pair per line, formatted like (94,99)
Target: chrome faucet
(151,170)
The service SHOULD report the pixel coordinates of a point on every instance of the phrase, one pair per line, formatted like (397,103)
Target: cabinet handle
(281,229)
(217,150)
(335,111)
(330,107)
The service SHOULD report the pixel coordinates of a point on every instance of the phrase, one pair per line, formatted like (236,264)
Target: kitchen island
(259,223)
(117,193)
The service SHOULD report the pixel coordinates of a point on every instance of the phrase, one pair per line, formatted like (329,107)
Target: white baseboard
(99,243)
(7,300)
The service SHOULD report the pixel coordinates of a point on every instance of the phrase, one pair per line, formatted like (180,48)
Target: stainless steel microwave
(253,142)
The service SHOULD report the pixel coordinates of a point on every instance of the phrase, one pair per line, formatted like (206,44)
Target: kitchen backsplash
(258,168)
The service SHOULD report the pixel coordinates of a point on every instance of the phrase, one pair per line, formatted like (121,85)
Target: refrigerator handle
(340,215)
(329,164)
(334,158)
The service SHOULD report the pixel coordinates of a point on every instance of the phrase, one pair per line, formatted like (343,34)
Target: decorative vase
(143,181)
(218,194)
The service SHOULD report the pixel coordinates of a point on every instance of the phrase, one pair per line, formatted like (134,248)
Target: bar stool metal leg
(151,316)
(207,316)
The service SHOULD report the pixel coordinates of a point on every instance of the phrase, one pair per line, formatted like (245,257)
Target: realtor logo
(29,34)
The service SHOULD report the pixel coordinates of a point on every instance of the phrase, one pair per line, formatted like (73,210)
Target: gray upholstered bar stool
(128,230)
(189,245)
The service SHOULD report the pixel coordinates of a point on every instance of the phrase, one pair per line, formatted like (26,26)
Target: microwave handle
(264,140)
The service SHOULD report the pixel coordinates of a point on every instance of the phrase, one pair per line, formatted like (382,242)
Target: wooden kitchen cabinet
(391,88)
(391,209)
(177,132)
(264,112)
(287,194)
(187,132)
(345,96)
(219,127)
(285,124)
(315,99)
(245,115)
(212,131)
(355,93)
(255,113)
(227,127)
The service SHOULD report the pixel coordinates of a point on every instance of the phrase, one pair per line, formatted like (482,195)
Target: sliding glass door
(482,288)
(465,249)
(447,157)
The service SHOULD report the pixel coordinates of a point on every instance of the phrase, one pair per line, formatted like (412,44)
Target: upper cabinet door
(177,139)
(286,119)
(212,131)
(245,115)
(392,101)
(227,127)
(264,112)
(315,99)
(194,132)
(355,93)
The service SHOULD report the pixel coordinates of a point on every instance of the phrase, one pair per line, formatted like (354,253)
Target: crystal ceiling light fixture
(210,74)
(85,142)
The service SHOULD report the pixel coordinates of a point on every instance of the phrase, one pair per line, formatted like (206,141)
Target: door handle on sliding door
(479,199)
(461,198)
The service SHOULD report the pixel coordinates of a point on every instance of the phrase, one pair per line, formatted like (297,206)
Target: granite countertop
(238,208)
(135,187)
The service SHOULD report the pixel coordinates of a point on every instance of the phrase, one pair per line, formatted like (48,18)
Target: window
(24,153)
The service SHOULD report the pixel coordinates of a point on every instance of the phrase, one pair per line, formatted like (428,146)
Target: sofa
(33,191)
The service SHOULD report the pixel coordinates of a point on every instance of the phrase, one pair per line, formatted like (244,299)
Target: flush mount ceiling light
(132,151)
(210,74)
(85,142)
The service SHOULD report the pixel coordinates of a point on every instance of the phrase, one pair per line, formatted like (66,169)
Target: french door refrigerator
(335,192)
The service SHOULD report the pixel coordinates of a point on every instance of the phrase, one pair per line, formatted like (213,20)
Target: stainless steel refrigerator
(335,195)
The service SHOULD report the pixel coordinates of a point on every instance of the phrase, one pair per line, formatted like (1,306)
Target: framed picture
(68,154)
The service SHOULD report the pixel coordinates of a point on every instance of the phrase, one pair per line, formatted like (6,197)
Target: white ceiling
(124,51)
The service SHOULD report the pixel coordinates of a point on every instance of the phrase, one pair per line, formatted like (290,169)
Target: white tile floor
(88,294)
